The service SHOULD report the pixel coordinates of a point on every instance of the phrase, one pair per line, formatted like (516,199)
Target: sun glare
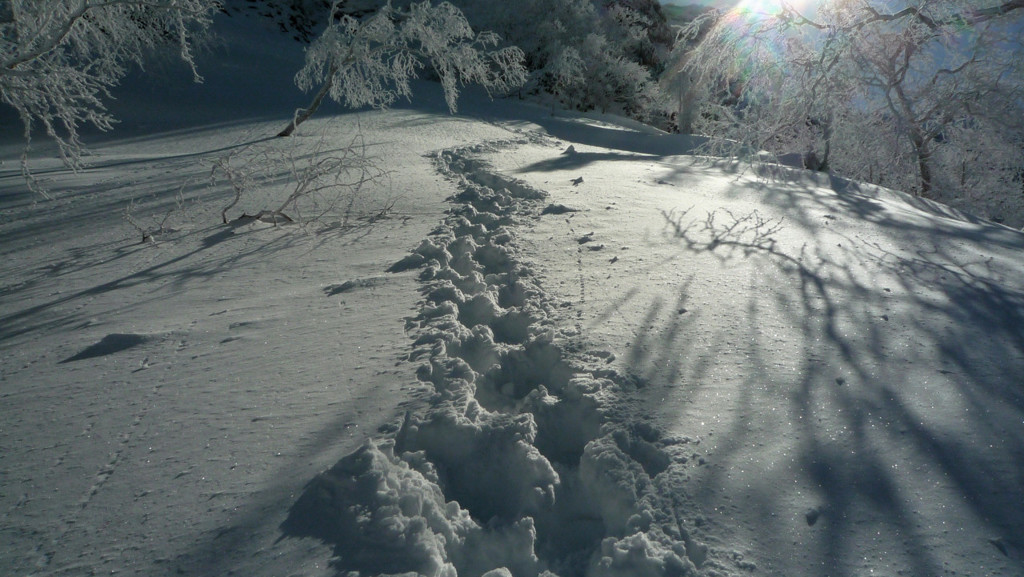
(768,7)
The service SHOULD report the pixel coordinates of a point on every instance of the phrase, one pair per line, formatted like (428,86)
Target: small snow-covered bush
(589,55)
(612,81)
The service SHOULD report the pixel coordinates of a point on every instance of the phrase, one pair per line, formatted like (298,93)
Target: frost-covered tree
(677,81)
(924,96)
(60,58)
(643,31)
(589,54)
(371,61)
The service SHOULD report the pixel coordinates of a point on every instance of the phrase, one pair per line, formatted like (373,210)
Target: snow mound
(523,462)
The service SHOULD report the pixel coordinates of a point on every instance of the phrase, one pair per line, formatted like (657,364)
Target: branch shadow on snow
(99,202)
(909,354)
(45,316)
(174,273)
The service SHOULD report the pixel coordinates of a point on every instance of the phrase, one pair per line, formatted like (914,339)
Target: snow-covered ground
(541,343)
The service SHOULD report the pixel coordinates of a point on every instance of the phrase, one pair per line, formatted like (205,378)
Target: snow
(850,363)
(544,343)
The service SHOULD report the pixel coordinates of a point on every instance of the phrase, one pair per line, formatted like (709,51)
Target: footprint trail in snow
(527,459)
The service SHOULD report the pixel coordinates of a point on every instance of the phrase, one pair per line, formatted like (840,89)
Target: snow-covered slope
(851,365)
(542,343)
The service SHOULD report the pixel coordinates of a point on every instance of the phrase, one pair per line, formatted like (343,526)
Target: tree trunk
(303,114)
(926,176)
(685,105)
(924,168)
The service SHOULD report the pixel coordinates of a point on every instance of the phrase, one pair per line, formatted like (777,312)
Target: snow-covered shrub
(589,54)
(60,58)
(613,82)
(620,53)
(642,29)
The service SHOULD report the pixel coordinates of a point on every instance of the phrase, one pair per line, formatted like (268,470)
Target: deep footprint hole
(493,259)
(639,443)
(512,295)
(478,351)
(512,328)
(569,534)
(564,428)
(523,370)
(479,310)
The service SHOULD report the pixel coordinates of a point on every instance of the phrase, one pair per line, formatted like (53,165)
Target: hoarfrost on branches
(60,58)
(372,61)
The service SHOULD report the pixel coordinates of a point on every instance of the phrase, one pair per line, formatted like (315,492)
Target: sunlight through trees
(924,97)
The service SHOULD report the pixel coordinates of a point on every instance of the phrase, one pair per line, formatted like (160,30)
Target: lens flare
(772,7)
(759,6)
